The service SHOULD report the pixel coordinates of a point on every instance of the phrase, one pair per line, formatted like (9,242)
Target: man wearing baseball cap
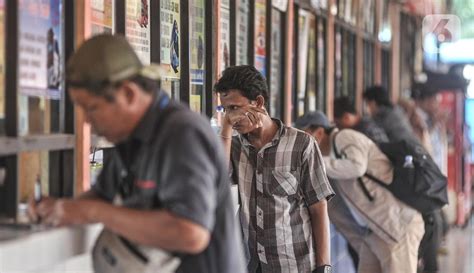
(165,185)
(386,233)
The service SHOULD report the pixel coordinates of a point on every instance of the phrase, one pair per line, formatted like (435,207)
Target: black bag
(421,184)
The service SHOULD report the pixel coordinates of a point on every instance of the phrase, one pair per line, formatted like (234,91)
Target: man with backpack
(393,230)
(398,129)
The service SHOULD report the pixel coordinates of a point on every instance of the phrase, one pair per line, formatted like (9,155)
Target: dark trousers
(431,240)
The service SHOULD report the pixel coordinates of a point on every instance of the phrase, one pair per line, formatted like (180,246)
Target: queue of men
(164,196)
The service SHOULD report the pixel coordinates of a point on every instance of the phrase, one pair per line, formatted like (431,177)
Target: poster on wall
(170,46)
(102,20)
(225,35)
(242,32)
(197,42)
(41,48)
(260,28)
(281,5)
(303,24)
(311,79)
(197,52)
(2,59)
(276,66)
(137,28)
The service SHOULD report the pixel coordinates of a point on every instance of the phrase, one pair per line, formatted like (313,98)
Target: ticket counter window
(41,58)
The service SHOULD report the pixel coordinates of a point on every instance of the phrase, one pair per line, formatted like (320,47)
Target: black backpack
(421,185)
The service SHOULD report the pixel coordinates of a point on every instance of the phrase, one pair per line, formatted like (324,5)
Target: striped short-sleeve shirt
(277,184)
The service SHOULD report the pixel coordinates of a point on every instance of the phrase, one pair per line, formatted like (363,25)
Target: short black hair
(378,94)
(343,105)
(245,78)
(421,91)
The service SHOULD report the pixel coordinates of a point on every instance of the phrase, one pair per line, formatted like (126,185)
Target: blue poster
(41,48)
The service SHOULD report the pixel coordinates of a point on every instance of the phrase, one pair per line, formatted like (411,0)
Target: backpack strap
(359,179)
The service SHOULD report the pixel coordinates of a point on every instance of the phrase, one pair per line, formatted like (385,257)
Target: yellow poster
(170,38)
(195,103)
(2,59)
(102,16)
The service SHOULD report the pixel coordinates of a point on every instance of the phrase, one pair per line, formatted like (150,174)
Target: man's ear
(130,91)
(260,101)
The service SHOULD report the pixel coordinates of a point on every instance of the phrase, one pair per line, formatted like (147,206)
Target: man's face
(347,120)
(236,106)
(108,118)
(431,104)
(370,107)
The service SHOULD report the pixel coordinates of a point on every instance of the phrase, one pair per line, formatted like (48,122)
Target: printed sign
(102,16)
(170,38)
(242,32)
(41,48)
(260,27)
(137,28)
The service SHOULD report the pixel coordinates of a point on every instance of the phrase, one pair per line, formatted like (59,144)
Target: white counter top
(28,251)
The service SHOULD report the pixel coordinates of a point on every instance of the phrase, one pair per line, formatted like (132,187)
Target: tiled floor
(460,256)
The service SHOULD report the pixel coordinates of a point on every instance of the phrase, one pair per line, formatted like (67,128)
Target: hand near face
(249,116)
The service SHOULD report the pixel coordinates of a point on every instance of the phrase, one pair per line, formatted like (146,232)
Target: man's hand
(252,113)
(63,212)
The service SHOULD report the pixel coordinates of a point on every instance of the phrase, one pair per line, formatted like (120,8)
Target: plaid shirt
(276,186)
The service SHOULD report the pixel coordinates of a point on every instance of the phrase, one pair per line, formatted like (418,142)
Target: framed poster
(242,32)
(137,27)
(102,16)
(170,41)
(2,60)
(224,45)
(41,58)
(260,30)
(303,35)
(311,79)
(277,64)
(41,48)
(321,65)
(197,54)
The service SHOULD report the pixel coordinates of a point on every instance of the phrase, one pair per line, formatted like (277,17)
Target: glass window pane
(321,65)
(311,80)
(137,28)
(276,66)
(170,42)
(197,55)
(41,67)
(2,67)
(32,167)
(242,32)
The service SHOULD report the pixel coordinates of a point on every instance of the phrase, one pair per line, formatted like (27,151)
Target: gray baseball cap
(106,59)
(316,118)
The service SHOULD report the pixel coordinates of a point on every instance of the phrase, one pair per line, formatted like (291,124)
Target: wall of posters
(137,27)
(224,46)
(102,16)
(170,42)
(197,54)
(2,60)
(242,32)
(303,33)
(41,48)
(260,43)
(276,66)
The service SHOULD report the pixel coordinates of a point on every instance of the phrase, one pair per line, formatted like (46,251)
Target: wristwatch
(323,269)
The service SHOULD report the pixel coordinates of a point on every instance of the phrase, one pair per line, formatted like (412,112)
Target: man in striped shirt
(283,187)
